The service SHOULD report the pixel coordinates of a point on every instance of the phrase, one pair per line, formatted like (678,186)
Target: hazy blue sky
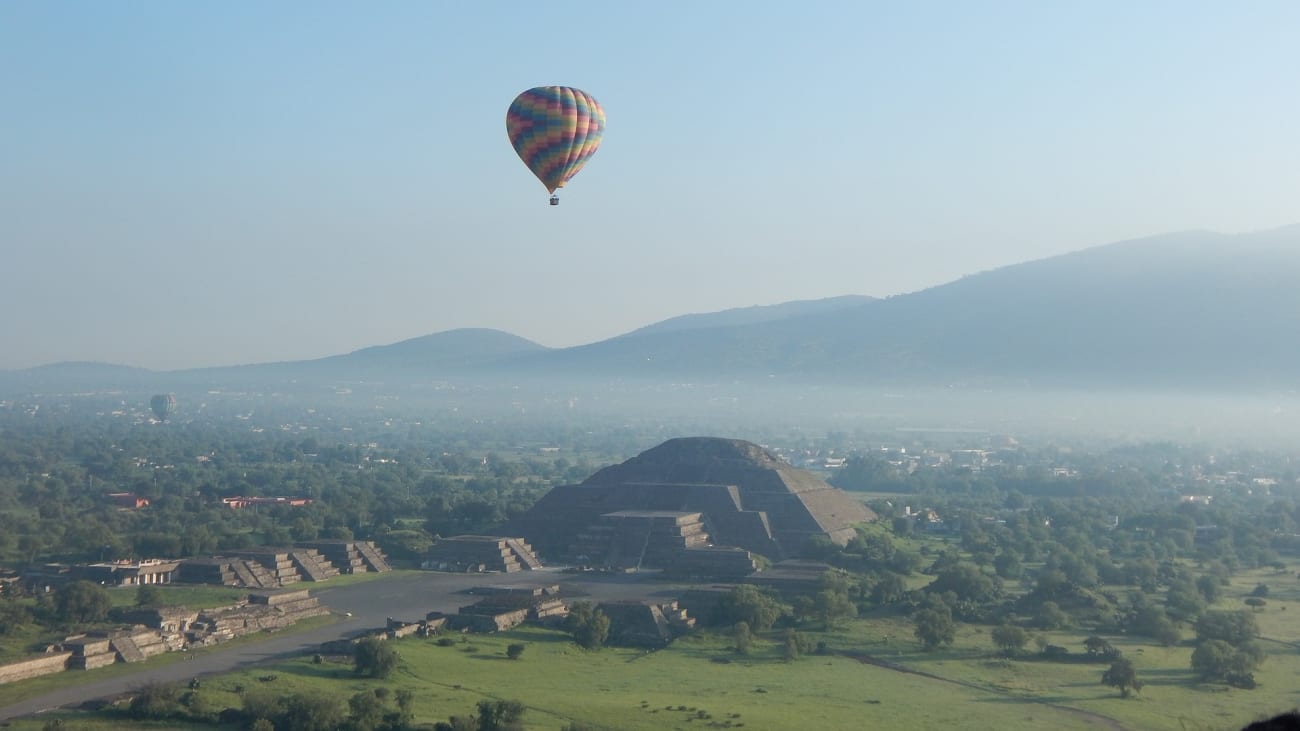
(187,184)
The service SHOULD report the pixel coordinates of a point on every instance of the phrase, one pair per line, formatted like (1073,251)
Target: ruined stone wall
(48,664)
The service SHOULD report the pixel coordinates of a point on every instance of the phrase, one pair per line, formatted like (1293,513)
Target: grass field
(683,687)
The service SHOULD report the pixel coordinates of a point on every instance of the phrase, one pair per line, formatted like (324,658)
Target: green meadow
(697,683)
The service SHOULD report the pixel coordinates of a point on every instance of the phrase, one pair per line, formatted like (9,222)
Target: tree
(515,650)
(500,715)
(1255,603)
(794,645)
(1218,660)
(1260,590)
(457,723)
(1051,616)
(374,658)
(1166,633)
(889,588)
(1010,639)
(967,582)
(1099,647)
(366,711)
(148,595)
(1233,627)
(82,602)
(934,626)
(830,606)
(1183,601)
(749,604)
(1122,675)
(1007,565)
(588,625)
(405,709)
(743,638)
(312,712)
(155,701)
(1209,587)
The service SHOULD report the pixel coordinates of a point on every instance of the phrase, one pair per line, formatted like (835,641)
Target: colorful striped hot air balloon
(555,130)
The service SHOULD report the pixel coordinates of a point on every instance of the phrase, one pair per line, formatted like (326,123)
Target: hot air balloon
(163,405)
(555,130)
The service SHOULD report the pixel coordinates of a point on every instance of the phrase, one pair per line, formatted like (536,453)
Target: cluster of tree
(588,625)
(490,716)
(379,709)
(53,486)
(1112,547)
(374,658)
(1227,650)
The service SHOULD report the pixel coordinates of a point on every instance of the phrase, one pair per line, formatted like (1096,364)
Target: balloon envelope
(555,130)
(162,405)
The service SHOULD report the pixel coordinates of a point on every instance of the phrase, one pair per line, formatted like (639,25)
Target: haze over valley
(1182,336)
(552,367)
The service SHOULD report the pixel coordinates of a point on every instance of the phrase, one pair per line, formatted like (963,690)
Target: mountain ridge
(1189,308)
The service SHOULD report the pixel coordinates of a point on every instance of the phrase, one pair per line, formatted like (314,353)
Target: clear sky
(192,184)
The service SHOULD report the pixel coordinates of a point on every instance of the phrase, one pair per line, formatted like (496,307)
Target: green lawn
(194,596)
(686,686)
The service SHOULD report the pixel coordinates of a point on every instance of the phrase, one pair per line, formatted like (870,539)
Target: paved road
(407,596)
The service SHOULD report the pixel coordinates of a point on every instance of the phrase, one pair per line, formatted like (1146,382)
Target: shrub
(374,658)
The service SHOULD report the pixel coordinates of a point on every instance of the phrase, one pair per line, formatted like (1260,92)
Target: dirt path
(1095,718)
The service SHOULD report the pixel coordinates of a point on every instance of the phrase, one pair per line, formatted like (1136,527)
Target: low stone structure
(645,623)
(276,561)
(705,602)
(127,573)
(168,629)
(719,563)
(259,568)
(502,610)
(791,577)
(53,662)
(350,557)
(262,611)
(481,553)
(167,620)
(226,571)
(90,652)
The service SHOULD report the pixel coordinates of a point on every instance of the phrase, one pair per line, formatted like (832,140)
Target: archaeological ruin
(476,554)
(700,503)
(269,568)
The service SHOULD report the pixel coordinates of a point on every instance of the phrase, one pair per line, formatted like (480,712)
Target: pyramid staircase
(127,650)
(311,565)
(374,559)
(524,553)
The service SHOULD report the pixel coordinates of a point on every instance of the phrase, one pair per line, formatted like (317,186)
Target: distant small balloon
(163,405)
(555,130)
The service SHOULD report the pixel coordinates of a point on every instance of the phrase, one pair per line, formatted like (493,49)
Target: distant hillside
(440,355)
(751,315)
(74,374)
(1195,308)
(456,348)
